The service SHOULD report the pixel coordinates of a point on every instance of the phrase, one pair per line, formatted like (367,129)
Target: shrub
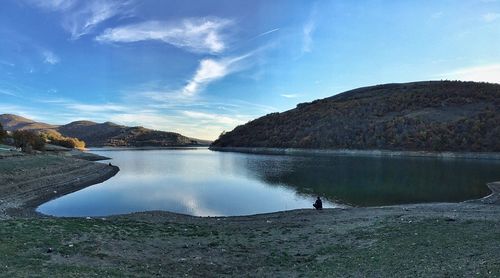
(3,133)
(57,139)
(28,140)
(69,142)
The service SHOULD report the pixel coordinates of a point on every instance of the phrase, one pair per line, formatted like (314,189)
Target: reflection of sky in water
(205,183)
(195,182)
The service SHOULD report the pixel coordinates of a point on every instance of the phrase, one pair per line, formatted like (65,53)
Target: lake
(206,183)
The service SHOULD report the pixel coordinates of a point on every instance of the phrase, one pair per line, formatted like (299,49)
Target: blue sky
(201,67)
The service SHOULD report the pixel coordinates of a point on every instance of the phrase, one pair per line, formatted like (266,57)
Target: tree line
(30,140)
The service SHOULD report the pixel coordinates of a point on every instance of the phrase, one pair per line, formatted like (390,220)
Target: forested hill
(427,116)
(111,134)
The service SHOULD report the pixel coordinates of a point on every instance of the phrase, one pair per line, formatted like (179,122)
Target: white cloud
(85,19)
(87,108)
(196,126)
(200,35)
(82,17)
(490,17)
(54,100)
(216,118)
(49,57)
(22,111)
(53,5)
(267,32)
(210,125)
(290,95)
(486,73)
(210,70)
(7,63)
(150,120)
(7,92)
(307,32)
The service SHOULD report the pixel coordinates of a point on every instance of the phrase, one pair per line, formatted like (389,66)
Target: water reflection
(370,181)
(204,183)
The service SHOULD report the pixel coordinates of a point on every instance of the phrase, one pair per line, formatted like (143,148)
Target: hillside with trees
(86,133)
(111,134)
(420,116)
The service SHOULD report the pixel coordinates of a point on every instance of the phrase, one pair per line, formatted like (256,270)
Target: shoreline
(78,183)
(28,188)
(109,149)
(366,153)
(358,241)
(45,188)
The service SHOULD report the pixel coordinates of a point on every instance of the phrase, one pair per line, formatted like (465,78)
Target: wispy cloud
(54,100)
(200,35)
(7,93)
(307,31)
(85,19)
(82,17)
(87,108)
(22,111)
(267,32)
(53,5)
(5,63)
(486,73)
(490,17)
(210,70)
(290,95)
(216,118)
(196,126)
(150,120)
(49,57)
(210,125)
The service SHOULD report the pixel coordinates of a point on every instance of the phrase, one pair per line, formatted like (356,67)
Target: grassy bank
(416,241)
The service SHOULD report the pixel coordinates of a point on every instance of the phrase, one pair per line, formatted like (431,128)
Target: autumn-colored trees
(28,140)
(68,142)
(428,116)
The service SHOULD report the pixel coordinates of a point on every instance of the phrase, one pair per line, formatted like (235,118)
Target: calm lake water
(205,183)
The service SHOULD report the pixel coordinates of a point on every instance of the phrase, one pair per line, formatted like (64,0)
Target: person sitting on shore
(318,204)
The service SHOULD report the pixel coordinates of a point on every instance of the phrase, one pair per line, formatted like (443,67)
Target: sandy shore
(440,239)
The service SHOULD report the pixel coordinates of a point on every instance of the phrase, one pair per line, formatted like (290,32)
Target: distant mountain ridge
(104,134)
(13,122)
(419,116)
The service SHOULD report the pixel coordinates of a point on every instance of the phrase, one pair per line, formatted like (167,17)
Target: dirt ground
(27,181)
(429,240)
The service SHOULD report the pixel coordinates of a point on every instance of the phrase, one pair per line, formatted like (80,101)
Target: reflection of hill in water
(366,181)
